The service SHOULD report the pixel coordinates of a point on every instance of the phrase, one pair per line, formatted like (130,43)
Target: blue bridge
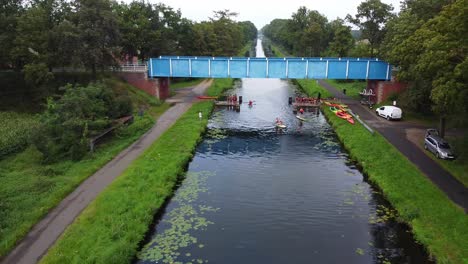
(284,68)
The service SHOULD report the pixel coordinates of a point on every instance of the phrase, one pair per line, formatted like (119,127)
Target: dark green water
(257,195)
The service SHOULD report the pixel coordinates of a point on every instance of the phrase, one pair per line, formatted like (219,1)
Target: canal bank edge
(112,227)
(436,222)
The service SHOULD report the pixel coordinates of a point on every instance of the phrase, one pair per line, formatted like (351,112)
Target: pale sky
(262,12)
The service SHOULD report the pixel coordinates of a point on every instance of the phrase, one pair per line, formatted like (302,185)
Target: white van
(389,112)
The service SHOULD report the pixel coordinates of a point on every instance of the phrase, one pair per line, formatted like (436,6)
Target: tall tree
(371,18)
(98,34)
(414,14)
(10,10)
(342,41)
(432,56)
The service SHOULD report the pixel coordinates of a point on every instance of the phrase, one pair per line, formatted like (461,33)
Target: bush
(80,114)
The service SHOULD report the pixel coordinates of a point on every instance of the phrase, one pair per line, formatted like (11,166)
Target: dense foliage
(371,19)
(428,43)
(309,34)
(41,35)
(81,113)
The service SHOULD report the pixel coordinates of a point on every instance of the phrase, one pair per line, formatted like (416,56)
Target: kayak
(301,118)
(346,116)
(280,126)
(207,97)
(343,114)
(334,109)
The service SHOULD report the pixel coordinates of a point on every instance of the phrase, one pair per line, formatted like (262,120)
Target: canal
(253,194)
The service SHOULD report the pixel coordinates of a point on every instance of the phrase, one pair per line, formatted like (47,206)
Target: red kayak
(344,115)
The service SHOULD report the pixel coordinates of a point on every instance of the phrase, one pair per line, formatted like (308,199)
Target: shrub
(80,114)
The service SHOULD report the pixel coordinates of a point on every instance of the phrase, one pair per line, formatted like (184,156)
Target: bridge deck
(284,68)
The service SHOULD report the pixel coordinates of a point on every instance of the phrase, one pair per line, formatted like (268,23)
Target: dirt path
(43,235)
(404,136)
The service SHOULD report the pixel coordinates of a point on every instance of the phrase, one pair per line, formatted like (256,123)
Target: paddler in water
(250,103)
(301,111)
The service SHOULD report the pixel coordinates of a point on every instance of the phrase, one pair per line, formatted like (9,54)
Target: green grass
(15,131)
(277,51)
(312,88)
(184,84)
(248,47)
(219,86)
(353,88)
(437,223)
(29,189)
(110,229)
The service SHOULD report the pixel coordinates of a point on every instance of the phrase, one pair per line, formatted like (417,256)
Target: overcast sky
(262,12)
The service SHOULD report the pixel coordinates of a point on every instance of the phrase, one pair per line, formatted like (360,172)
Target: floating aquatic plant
(360,251)
(183,220)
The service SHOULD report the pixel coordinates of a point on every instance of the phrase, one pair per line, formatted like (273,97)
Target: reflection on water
(276,196)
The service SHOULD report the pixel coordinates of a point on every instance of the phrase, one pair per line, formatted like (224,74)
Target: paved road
(396,133)
(45,233)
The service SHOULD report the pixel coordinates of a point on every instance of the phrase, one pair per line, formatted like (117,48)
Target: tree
(10,10)
(98,34)
(432,56)
(309,32)
(342,40)
(371,18)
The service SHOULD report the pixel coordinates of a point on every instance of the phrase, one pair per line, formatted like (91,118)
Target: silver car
(438,146)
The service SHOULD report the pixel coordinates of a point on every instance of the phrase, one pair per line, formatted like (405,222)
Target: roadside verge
(436,222)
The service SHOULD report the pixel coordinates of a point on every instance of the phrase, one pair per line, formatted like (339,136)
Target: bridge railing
(284,68)
(131,68)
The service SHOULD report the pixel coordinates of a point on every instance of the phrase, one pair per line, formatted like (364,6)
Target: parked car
(389,112)
(437,145)
(432,132)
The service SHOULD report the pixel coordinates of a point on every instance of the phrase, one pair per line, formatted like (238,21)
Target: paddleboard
(280,126)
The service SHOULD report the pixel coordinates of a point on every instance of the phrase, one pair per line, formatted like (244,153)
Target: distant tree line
(39,35)
(427,42)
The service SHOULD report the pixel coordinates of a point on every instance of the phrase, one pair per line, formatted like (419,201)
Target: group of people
(307,100)
(232,98)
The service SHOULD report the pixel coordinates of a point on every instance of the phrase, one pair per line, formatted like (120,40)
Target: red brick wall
(155,87)
(383,89)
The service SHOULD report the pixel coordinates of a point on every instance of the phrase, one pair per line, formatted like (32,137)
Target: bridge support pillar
(384,89)
(162,87)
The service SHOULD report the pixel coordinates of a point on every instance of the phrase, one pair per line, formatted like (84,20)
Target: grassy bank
(353,88)
(436,222)
(15,130)
(29,188)
(312,88)
(110,229)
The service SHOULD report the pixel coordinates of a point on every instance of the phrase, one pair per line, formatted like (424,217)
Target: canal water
(255,194)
